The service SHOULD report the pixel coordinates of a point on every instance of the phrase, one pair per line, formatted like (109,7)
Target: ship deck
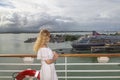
(69,66)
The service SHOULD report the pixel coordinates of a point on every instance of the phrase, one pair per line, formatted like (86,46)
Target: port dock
(106,48)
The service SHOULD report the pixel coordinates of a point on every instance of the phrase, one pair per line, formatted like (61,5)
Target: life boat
(29,73)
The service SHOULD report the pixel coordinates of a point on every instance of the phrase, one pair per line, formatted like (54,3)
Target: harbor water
(14,44)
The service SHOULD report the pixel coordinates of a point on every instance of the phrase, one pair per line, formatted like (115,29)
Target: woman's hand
(56,55)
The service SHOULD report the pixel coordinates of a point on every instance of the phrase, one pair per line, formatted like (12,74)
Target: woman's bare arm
(55,57)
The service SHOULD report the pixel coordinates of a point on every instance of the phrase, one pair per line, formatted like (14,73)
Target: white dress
(47,71)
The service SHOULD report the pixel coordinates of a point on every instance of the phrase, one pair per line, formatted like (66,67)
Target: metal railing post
(65,68)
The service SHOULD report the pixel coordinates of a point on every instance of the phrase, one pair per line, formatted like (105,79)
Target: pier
(106,48)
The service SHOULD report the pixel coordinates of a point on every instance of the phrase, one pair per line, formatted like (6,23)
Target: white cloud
(31,15)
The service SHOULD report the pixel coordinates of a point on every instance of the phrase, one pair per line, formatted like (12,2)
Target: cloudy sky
(32,15)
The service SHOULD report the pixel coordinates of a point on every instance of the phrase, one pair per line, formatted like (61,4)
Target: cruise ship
(96,39)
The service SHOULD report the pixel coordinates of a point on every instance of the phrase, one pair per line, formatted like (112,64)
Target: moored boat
(86,42)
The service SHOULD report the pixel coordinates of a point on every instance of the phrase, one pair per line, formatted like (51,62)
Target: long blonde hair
(42,39)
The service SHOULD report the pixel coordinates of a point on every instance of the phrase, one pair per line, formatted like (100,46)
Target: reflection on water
(14,43)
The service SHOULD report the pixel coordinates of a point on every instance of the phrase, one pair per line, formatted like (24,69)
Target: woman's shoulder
(44,48)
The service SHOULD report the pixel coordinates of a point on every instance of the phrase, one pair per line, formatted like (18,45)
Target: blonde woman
(47,56)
